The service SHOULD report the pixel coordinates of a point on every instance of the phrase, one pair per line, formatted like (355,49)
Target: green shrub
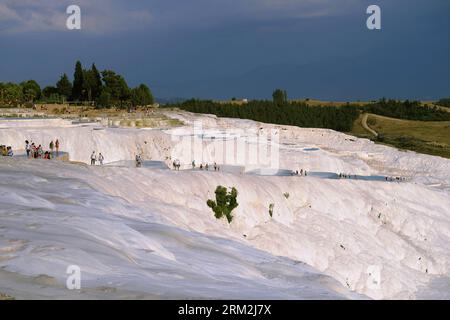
(225,203)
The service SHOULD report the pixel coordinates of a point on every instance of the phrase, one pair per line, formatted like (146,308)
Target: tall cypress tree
(279,97)
(77,91)
(96,90)
(88,85)
(64,86)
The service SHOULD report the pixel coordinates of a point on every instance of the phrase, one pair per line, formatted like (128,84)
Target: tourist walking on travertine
(93,158)
(27,148)
(100,158)
(176,164)
(33,151)
(57,147)
(52,146)
(40,152)
(138,161)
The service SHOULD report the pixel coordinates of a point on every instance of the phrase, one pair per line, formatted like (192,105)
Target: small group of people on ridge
(6,151)
(395,179)
(206,166)
(176,164)
(139,161)
(37,151)
(301,173)
(347,176)
(94,158)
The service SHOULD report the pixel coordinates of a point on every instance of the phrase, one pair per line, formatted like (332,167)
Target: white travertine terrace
(149,233)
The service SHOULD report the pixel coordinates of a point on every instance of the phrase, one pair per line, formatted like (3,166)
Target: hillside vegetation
(293,113)
(429,137)
(408,110)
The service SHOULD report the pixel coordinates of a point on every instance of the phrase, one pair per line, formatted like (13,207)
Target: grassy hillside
(430,137)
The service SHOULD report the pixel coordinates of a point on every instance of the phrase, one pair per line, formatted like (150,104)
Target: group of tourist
(139,161)
(206,166)
(37,151)
(299,173)
(6,151)
(176,164)
(34,151)
(347,176)
(395,179)
(94,158)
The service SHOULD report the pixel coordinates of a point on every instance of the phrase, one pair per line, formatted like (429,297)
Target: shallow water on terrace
(323,175)
(161,165)
(23,154)
(270,172)
(222,168)
(314,174)
(151,164)
(332,175)
(311,149)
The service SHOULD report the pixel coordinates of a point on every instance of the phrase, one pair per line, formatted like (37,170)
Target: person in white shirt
(100,159)
(93,158)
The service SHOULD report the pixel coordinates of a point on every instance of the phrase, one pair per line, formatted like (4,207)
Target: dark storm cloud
(223,48)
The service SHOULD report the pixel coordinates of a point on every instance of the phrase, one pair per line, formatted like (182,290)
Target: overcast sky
(242,48)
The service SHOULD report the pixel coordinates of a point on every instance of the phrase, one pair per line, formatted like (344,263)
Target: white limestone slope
(340,227)
(51,218)
(138,231)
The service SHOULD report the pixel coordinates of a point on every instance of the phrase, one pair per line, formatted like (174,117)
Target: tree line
(286,113)
(102,89)
(282,111)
